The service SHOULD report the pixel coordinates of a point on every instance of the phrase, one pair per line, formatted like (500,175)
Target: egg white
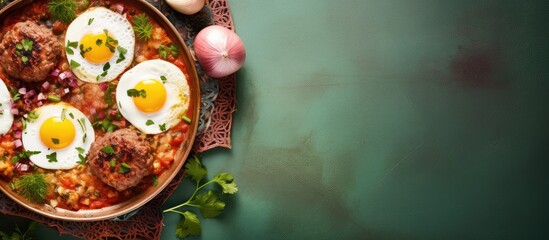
(67,157)
(6,117)
(92,20)
(177,100)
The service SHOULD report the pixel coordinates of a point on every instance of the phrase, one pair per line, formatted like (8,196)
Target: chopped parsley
(149,122)
(74,64)
(108,150)
(124,168)
(164,79)
(23,155)
(142,26)
(165,51)
(162,127)
(90,21)
(52,157)
(55,141)
(137,93)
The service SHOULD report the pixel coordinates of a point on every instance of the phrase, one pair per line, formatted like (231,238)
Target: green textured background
(386,119)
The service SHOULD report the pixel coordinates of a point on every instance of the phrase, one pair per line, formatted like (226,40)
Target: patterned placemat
(218,105)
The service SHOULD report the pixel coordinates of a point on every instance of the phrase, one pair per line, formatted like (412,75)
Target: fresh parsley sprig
(209,203)
(142,26)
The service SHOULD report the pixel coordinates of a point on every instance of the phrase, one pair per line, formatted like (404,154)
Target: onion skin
(187,7)
(219,50)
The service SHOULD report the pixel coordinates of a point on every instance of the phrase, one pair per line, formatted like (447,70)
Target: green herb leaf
(124,168)
(52,157)
(55,141)
(54,98)
(72,44)
(195,170)
(27,44)
(82,159)
(80,150)
(112,163)
(64,10)
(164,79)
(174,50)
(188,226)
(32,187)
(226,181)
(162,127)
(74,64)
(155,181)
(137,93)
(149,122)
(108,150)
(90,21)
(186,119)
(209,203)
(24,59)
(32,116)
(142,26)
(98,42)
(71,115)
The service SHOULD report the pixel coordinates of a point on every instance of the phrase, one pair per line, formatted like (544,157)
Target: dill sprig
(33,187)
(142,26)
(64,10)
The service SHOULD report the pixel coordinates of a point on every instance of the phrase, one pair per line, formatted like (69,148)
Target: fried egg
(153,96)
(6,117)
(59,137)
(99,44)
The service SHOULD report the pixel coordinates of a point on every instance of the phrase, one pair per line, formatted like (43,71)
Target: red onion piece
(41,97)
(18,143)
(219,50)
(103,86)
(46,85)
(17,134)
(14,111)
(73,83)
(55,73)
(22,91)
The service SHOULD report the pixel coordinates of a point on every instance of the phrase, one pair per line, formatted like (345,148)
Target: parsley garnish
(124,168)
(142,26)
(165,52)
(111,42)
(209,203)
(74,64)
(23,155)
(108,150)
(32,187)
(90,21)
(70,46)
(122,54)
(23,49)
(84,51)
(149,122)
(186,119)
(98,42)
(55,141)
(137,93)
(162,127)
(52,157)
(64,10)
(164,79)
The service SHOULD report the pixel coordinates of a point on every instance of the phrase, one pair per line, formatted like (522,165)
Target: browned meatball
(121,158)
(29,51)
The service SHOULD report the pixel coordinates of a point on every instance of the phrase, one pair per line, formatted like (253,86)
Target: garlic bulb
(187,7)
(219,50)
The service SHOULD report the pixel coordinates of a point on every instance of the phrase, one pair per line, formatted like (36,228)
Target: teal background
(385,119)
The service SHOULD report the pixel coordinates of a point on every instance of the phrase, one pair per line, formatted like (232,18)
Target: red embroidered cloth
(215,131)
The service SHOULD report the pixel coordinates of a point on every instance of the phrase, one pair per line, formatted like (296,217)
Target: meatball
(121,158)
(29,51)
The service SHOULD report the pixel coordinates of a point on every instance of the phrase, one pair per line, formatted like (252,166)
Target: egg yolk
(57,133)
(155,96)
(97,47)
